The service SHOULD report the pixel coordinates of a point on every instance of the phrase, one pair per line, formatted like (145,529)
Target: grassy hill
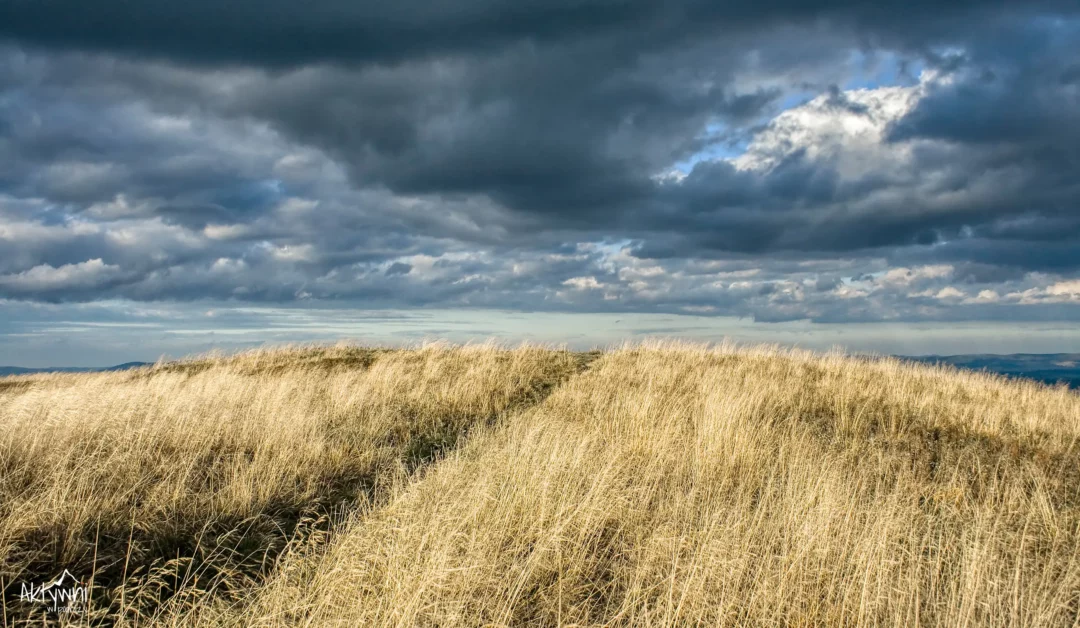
(650,485)
(19,370)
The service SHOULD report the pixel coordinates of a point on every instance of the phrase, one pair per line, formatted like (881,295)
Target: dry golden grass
(194,476)
(665,485)
(674,485)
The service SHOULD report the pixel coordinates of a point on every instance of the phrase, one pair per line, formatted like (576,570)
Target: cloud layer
(834,161)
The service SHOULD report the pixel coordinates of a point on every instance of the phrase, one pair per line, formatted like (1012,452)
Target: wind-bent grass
(674,485)
(194,476)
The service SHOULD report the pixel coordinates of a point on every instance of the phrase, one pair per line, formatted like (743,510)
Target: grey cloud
(285,33)
(480,155)
(398,268)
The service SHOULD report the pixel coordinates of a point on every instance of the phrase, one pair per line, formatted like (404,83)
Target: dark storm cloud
(554,107)
(559,131)
(283,33)
(984,165)
(805,205)
(545,155)
(1015,86)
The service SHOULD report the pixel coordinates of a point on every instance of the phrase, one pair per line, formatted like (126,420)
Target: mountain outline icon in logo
(60,580)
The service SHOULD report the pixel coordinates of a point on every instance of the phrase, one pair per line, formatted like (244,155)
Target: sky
(896,177)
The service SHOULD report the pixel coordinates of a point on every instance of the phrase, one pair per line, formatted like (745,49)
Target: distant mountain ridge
(20,370)
(1049,368)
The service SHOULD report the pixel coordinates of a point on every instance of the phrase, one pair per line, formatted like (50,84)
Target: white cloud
(847,126)
(88,274)
(949,292)
(583,283)
(1069,289)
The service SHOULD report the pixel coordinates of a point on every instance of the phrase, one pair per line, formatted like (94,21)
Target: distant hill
(19,370)
(1050,368)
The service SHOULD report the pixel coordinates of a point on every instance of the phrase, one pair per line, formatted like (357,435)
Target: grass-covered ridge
(194,476)
(664,484)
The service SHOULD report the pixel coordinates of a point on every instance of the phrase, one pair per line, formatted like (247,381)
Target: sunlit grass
(194,476)
(657,485)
